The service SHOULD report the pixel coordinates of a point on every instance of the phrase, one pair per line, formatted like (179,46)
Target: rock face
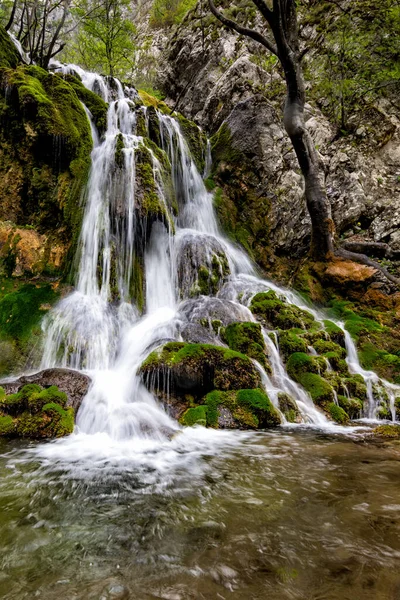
(219,80)
(75,385)
(202,384)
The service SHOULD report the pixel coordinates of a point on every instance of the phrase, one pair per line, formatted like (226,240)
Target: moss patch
(280,314)
(247,338)
(250,408)
(35,413)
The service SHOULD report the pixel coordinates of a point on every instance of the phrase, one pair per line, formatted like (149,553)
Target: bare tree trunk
(12,16)
(315,194)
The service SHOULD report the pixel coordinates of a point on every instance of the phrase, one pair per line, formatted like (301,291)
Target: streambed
(295,514)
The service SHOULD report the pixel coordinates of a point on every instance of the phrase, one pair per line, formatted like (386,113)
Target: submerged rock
(72,383)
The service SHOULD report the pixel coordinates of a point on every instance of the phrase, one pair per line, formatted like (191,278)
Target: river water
(292,514)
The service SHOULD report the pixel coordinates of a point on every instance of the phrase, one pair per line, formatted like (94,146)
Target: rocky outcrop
(72,383)
(224,83)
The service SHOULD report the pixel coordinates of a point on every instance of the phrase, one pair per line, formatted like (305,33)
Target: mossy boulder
(35,413)
(249,408)
(279,314)
(288,408)
(202,265)
(197,369)
(336,334)
(300,363)
(337,413)
(352,406)
(247,338)
(197,415)
(9,56)
(96,105)
(195,139)
(353,386)
(290,342)
(388,431)
(319,389)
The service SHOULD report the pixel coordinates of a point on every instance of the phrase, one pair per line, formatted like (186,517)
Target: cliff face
(219,80)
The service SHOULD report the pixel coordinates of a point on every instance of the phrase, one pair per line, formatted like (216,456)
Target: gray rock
(73,383)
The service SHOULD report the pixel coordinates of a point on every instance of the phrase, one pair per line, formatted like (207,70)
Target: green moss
(98,108)
(388,431)
(21,311)
(195,139)
(320,390)
(337,413)
(9,56)
(335,333)
(149,100)
(119,151)
(289,408)
(337,363)
(300,363)
(251,408)
(194,416)
(62,420)
(352,406)
(137,283)
(325,346)
(7,425)
(290,342)
(279,313)
(246,338)
(355,386)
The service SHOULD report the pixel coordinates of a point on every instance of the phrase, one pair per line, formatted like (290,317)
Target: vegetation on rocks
(34,412)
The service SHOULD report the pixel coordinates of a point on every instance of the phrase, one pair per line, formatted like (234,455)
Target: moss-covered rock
(290,342)
(300,363)
(9,56)
(337,413)
(196,415)
(279,314)
(196,140)
(352,406)
(96,105)
(198,369)
(35,413)
(247,338)
(319,389)
(288,408)
(250,409)
(387,431)
(45,147)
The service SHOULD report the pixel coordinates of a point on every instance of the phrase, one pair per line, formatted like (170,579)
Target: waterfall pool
(288,514)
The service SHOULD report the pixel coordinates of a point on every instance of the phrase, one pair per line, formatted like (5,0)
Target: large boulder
(74,384)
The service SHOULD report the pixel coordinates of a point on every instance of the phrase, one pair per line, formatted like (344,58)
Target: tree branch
(255,35)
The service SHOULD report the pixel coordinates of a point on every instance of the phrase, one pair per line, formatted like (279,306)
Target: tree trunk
(317,202)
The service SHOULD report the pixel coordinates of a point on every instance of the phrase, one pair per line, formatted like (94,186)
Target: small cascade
(377,388)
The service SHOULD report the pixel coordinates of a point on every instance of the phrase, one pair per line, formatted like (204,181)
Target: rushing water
(285,515)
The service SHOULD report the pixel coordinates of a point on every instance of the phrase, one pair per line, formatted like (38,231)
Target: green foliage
(165,13)
(105,42)
(21,311)
(356,57)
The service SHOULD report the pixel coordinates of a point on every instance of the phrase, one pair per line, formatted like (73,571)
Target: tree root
(365,260)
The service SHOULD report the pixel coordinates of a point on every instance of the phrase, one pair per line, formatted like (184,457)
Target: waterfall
(137,271)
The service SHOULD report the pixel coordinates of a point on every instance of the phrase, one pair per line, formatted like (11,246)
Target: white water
(99,329)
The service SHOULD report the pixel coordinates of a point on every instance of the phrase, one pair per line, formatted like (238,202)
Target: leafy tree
(280,37)
(106,37)
(355,58)
(40,27)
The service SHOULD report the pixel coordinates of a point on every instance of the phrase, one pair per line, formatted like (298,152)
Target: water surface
(279,515)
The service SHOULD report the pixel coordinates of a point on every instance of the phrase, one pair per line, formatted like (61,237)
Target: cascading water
(98,328)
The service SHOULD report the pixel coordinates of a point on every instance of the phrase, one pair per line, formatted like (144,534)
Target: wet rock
(74,384)
(197,369)
(202,265)
(206,310)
